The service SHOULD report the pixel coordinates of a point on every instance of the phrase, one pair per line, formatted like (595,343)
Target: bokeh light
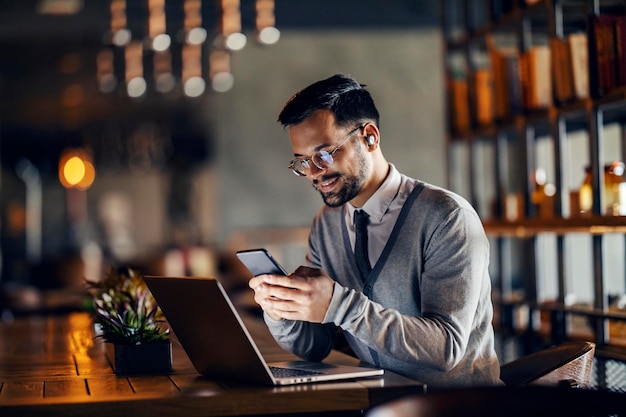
(76,169)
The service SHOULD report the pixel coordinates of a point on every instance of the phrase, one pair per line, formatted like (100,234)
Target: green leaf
(126,310)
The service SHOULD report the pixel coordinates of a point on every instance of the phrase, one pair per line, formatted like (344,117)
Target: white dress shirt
(383,208)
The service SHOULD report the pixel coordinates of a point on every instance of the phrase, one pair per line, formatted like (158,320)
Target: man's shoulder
(442,197)
(435,204)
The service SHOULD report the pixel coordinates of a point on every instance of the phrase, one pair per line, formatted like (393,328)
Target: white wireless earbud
(371,140)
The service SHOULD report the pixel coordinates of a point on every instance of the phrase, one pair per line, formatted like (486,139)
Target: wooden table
(53,366)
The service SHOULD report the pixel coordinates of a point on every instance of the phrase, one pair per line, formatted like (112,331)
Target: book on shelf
(500,98)
(483,93)
(598,57)
(562,69)
(579,58)
(536,76)
(540,76)
(609,38)
(459,104)
(620,53)
(608,44)
(507,96)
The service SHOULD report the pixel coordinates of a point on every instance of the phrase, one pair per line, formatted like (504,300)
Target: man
(424,308)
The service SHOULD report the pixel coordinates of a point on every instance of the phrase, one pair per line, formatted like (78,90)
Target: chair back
(499,401)
(569,363)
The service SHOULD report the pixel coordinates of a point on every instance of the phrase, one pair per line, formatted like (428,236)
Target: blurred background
(143,132)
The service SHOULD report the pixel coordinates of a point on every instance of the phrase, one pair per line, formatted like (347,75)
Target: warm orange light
(76,170)
(231,17)
(88,178)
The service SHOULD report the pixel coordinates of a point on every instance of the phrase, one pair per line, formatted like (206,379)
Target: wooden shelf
(596,225)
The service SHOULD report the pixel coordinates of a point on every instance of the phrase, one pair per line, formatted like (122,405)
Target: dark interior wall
(227,155)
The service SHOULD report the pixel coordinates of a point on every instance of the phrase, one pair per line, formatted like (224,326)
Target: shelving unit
(525,131)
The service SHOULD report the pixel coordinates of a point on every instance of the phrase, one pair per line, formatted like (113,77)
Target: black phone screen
(260,261)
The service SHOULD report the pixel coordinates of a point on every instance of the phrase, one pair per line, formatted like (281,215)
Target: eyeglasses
(321,159)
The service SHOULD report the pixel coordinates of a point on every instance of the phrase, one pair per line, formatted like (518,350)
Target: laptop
(219,345)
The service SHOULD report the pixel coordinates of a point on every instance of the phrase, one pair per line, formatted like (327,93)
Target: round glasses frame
(321,159)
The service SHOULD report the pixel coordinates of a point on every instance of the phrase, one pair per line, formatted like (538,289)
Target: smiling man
(399,265)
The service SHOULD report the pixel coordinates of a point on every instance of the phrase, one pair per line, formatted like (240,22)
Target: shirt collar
(378,204)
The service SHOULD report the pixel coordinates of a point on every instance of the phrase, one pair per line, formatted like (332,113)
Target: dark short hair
(349,101)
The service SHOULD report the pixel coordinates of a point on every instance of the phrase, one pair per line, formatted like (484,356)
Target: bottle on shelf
(543,195)
(585,194)
(614,190)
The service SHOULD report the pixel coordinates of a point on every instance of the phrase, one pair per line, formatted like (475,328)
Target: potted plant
(131,323)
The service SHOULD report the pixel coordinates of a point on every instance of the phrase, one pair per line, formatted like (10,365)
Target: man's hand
(303,295)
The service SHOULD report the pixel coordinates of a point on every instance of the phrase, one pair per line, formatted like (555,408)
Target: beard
(352,184)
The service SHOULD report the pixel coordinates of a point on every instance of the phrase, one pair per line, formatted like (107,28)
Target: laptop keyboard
(289,372)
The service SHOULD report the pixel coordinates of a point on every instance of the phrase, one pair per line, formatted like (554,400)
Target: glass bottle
(586,194)
(615,189)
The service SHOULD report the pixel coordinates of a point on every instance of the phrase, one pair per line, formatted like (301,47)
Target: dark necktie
(360,248)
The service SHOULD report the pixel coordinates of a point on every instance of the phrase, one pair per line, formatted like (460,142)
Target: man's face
(343,180)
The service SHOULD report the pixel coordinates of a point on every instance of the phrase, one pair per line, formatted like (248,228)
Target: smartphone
(260,261)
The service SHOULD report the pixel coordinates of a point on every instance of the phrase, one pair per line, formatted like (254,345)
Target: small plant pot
(151,358)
